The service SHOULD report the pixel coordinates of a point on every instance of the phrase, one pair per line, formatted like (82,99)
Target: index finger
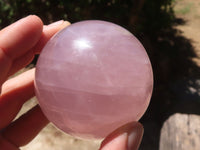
(19,37)
(48,32)
(16,40)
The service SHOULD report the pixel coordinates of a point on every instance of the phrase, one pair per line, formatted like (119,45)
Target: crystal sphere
(93,77)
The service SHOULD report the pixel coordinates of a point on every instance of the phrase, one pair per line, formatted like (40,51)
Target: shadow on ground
(177,86)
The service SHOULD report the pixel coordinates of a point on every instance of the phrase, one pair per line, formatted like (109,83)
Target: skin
(19,42)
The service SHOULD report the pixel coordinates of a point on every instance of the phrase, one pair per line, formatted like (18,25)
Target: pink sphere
(93,77)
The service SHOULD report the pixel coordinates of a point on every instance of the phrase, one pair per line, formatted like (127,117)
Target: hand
(19,42)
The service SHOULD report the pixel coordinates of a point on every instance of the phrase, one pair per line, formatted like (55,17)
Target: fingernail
(135,137)
(127,137)
(65,23)
(119,142)
(56,23)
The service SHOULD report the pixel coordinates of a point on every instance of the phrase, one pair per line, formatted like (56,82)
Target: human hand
(127,137)
(19,43)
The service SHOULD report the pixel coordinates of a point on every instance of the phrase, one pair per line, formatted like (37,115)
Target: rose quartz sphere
(93,77)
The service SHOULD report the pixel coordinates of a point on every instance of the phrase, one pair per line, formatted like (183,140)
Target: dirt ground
(51,138)
(189,11)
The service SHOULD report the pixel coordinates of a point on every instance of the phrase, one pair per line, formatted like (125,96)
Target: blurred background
(169,31)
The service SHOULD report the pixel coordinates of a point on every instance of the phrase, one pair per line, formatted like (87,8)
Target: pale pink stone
(93,77)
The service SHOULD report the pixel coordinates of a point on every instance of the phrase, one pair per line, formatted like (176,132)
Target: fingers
(26,127)
(16,40)
(14,93)
(48,32)
(5,65)
(19,37)
(20,41)
(18,44)
(21,62)
(127,137)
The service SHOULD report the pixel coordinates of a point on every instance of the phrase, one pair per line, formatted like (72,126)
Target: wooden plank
(181,132)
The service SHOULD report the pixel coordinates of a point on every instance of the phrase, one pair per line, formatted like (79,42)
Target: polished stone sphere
(93,77)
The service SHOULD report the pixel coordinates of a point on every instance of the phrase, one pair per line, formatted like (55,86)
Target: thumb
(127,137)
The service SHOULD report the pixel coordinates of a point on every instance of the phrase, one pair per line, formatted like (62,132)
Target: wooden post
(181,132)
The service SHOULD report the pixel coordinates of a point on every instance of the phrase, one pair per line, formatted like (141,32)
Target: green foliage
(6,12)
(136,15)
